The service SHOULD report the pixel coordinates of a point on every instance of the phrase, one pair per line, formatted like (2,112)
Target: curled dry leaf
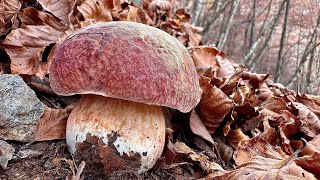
(204,57)
(312,146)
(182,15)
(59,8)
(311,101)
(257,146)
(25,45)
(275,104)
(266,168)
(205,163)
(264,92)
(214,105)
(8,9)
(194,38)
(287,130)
(310,164)
(226,68)
(162,5)
(234,137)
(256,80)
(310,121)
(52,124)
(198,128)
(96,10)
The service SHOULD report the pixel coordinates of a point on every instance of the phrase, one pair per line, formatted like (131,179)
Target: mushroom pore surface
(126,60)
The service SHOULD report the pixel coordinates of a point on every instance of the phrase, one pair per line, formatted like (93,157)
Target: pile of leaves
(245,126)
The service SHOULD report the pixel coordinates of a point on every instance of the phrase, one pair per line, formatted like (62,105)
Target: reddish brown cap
(126,60)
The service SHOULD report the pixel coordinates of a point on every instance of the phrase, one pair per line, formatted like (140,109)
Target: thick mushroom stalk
(132,134)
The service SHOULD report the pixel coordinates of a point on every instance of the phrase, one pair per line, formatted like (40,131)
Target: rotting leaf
(198,128)
(310,121)
(60,8)
(214,105)
(52,124)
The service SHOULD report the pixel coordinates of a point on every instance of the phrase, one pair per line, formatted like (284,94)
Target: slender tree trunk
(267,30)
(229,24)
(282,44)
(253,21)
(308,49)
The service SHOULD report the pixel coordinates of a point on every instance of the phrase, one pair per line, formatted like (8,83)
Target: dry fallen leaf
(257,146)
(60,8)
(97,10)
(310,121)
(312,146)
(52,124)
(25,45)
(234,137)
(310,163)
(311,101)
(214,105)
(198,128)
(265,168)
(8,9)
(226,68)
(205,163)
(204,57)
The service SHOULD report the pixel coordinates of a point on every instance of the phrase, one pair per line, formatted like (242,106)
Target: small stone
(20,109)
(6,153)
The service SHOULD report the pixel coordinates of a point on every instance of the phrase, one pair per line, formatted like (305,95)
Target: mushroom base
(125,134)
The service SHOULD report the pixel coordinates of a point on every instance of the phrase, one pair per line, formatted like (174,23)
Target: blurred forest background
(278,37)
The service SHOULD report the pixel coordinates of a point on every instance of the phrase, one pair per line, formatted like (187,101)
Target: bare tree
(282,44)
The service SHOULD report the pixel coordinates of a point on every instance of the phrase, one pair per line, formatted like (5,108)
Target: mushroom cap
(126,60)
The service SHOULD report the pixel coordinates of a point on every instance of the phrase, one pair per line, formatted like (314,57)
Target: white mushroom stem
(135,128)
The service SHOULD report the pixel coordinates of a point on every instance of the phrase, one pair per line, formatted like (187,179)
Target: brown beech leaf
(60,8)
(162,5)
(287,130)
(264,92)
(226,68)
(8,9)
(311,101)
(311,147)
(52,125)
(204,57)
(198,128)
(214,105)
(275,104)
(193,34)
(234,84)
(255,79)
(310,164)
(310,121)
(205,163)
(257,146)
(265,168)
(182,15)
(234,137)
(25,45)
(97,10)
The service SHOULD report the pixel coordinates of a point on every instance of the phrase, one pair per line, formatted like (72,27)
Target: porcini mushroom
(125,72)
